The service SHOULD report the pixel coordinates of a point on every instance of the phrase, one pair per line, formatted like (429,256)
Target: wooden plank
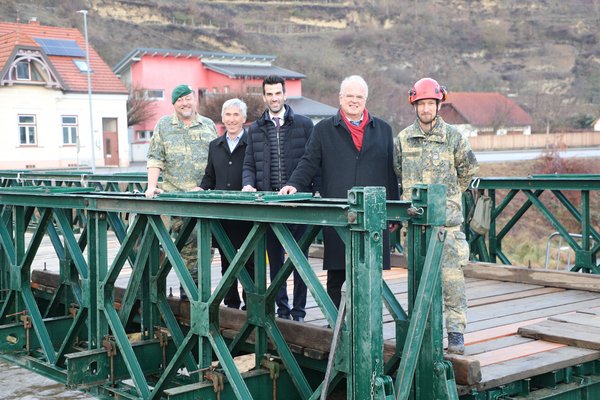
(495,344)
(497,332)
(467,370)
(567,280)
(512,296)
(496,288)
(539,304)
(487,323)
(536,364)
(587,337)
(517,351)
(579,319)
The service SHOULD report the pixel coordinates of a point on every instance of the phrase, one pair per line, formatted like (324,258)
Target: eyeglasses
(357,97)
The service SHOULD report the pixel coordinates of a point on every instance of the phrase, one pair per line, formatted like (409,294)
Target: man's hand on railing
(152,192)
(288,190)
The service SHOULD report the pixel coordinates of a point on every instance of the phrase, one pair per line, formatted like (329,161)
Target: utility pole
(89,84)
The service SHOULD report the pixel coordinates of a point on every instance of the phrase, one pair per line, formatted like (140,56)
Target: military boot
(456,343)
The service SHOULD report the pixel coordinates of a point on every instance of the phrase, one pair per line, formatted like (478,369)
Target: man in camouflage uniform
(432,151)
(179,148)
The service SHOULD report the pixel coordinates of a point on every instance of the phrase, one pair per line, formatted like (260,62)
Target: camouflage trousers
(454,257)
(189,252)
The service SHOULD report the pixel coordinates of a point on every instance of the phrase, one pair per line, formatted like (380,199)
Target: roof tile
(483,109)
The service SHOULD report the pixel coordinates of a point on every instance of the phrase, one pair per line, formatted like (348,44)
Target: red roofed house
(478,113)
(44,103)
(157,71)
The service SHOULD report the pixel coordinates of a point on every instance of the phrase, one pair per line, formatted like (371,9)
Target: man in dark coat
(276,142)
(224,172)
(352,148)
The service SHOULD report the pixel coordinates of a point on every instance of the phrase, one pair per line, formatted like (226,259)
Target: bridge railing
(81,336)
(576,197)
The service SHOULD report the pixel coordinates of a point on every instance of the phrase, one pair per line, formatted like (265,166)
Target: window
(150,94)
(26,70)
(225,89)
(81,65)
(155,94)
(27,130)
(144,136)
(69,129)
(254,89)
(23,71)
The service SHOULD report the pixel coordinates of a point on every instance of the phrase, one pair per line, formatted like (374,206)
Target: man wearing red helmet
(432,151)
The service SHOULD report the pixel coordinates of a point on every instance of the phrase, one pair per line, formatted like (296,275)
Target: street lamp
(89,84)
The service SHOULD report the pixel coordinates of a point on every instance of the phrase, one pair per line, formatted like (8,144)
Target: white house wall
(49,105)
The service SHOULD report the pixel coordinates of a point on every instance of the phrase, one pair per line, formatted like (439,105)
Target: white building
(44,102)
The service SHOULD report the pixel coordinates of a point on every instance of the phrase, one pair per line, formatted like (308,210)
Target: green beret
(181,90)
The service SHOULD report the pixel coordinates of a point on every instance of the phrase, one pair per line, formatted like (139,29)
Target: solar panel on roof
(60,47)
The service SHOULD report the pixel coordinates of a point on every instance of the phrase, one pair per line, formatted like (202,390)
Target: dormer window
(27,69)
(23,71)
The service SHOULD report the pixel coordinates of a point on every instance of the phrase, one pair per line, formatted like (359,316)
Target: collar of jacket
(288,116)
(437,134)
(223,139)
(177,121)
(338,120)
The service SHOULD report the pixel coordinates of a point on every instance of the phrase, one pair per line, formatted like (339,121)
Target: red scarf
(357,132)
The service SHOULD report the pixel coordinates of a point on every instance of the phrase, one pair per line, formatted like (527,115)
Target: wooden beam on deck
(507,273)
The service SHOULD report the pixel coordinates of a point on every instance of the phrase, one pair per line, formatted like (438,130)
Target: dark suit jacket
(332,152)
(224,172)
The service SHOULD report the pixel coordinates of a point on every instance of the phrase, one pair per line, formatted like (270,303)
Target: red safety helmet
(427,88)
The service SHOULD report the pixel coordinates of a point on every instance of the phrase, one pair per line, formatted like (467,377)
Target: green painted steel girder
(95,367)
(584,241)
(544,182)
(110,358)
(259,382)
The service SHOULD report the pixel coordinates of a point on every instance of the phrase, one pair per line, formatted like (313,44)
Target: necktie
(277,124)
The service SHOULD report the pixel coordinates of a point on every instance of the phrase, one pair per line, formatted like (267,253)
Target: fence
(536,141)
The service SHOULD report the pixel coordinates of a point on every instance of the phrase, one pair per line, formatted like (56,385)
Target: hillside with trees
(544,54)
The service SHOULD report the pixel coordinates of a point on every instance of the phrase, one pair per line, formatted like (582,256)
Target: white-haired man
(351,148)
(224,172)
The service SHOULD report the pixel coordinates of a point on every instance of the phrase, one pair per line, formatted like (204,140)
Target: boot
(456,343)
(182,294)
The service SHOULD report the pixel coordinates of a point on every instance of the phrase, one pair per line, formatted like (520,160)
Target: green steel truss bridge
(138,342)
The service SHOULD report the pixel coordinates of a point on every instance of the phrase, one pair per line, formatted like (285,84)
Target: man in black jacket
(276,142)
(352,148)
(224,172)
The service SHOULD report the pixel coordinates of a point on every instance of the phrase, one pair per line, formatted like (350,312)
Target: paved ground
(20,384)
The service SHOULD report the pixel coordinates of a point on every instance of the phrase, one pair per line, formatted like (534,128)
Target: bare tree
(139,108)
(211,105)
(502,113)
(550,112)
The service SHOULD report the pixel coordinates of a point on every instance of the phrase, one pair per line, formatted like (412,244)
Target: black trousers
(276,258)
(335,281)
(237,232)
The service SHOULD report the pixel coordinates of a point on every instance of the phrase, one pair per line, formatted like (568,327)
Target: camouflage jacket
(181,151)
(442,156)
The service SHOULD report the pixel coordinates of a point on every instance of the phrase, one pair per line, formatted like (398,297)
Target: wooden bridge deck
(519,326)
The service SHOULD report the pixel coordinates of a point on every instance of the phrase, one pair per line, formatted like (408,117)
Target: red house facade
(157,71)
